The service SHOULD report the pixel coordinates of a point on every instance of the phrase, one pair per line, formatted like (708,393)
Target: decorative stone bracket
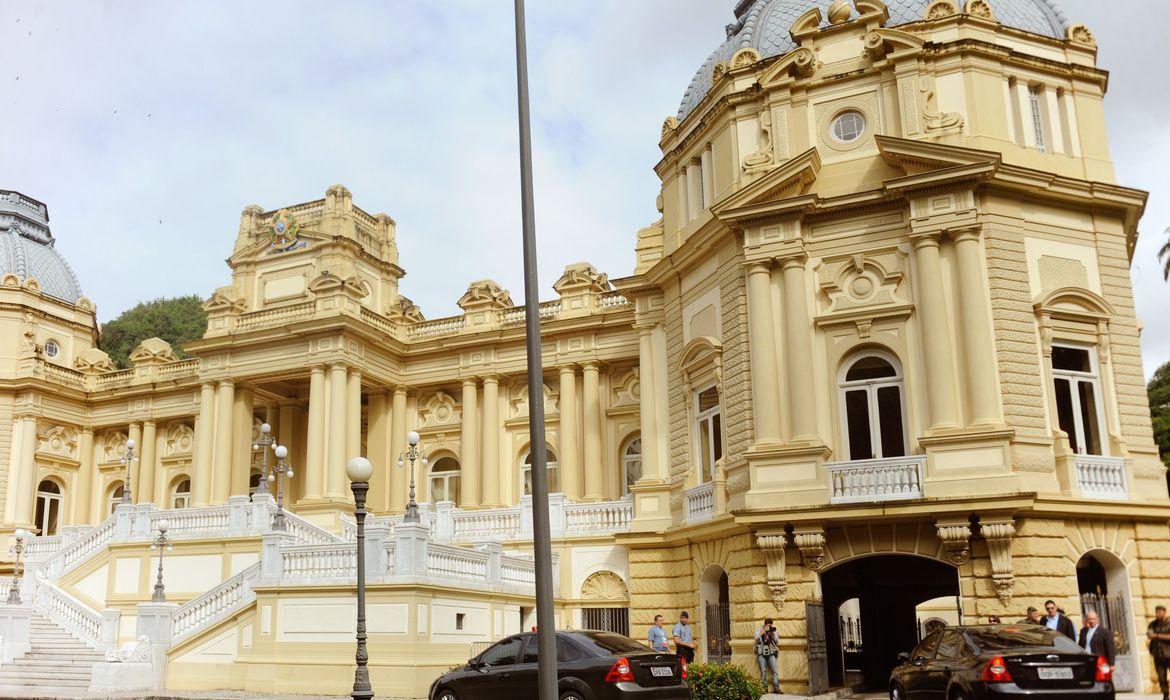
(998,534)
(955,537)
(774,548)
(812,547)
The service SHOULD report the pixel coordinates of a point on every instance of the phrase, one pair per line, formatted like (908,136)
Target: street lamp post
(278,470)
(359,471)
(17,549)
(128,459)
(261,445)
(161,542)
(412,453)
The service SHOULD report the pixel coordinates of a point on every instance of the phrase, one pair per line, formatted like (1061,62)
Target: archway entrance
(887,589)
(1103,582)
(714,596)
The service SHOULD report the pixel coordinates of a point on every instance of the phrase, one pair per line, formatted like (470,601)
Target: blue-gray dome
(26,247)
(764,24)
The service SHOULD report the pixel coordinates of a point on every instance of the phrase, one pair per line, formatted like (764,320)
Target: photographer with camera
(767,651)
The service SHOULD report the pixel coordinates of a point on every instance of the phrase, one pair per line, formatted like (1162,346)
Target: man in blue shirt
(657,636)
(684,643)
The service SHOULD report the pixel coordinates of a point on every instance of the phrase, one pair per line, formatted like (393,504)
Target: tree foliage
(1164,256)
(1158,392)
(175,320)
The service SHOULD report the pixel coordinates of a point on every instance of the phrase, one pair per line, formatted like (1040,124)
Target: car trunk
(644,665)
(1051,671)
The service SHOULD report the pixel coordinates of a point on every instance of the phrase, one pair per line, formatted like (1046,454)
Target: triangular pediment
(916,157)
(792,179)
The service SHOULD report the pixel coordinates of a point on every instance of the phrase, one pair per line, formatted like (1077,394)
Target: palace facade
(877,362)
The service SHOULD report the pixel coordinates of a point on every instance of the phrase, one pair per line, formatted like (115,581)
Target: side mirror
(903,657)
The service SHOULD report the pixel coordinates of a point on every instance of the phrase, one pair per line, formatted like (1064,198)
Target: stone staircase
(57,661)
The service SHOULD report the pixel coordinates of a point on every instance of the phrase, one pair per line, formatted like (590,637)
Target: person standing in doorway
(1097,638)
(684,641)
(1056,621)
(767,652)
(1159,635)
(657,636)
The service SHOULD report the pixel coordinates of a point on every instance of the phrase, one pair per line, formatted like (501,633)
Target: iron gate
(718,633)
(1114,614)
(608,619)
(818,656)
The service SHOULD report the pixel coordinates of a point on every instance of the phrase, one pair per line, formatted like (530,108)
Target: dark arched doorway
(887,587)
(715,598)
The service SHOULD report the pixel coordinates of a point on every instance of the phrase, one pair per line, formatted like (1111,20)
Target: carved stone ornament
(875,46)
(225,300)
(980,8)
(745,57)
(935,120)
(812,547)
(485,293)
(718,71)
(668,125)
(604,585)
(153,351)
(59,441)
(582,277)
(773,547)
(404,310)
(804,62)
(1080,34)
(94,361)
(955,538)
(763,156)
(940,9)
(839,12)
(180,440)
(998,534)
(137,651)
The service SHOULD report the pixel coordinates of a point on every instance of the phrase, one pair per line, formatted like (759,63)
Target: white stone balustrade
(600,518)
(1102,477)
(700,503)
(215,605)
(876,480)
(70,613)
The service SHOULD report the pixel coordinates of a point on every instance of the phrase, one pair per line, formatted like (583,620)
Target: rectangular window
(1079,411)
(709,430)
(459,621)
(1035,100)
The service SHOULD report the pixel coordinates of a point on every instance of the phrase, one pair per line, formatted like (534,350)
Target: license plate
(1055,674)
(662,671)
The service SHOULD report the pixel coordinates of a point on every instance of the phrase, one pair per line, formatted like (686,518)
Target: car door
(492,673)
(914,680)
(937,673)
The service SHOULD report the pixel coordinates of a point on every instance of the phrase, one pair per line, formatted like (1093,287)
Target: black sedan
(591,665)
(1000,661)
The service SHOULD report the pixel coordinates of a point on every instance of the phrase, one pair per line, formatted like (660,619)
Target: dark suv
(591,665)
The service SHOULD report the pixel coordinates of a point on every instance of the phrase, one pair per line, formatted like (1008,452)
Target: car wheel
(896,692)
(571,695)
(446,694)
(958,695)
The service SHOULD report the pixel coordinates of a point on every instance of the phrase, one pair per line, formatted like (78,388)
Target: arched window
(871,399)
(114,495)
(181,493)
(444,480)
(554,485)
(632,463)
(48,507)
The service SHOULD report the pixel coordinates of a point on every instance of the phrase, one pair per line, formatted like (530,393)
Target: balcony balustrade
(876,480)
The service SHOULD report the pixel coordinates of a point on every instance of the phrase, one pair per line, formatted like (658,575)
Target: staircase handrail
(307,532)
(80,550)
(214,606)
(75,616)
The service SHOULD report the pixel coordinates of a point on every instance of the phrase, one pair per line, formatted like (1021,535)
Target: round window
(848,126)
(52,349)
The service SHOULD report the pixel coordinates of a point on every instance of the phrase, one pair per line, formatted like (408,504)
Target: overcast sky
(148,126)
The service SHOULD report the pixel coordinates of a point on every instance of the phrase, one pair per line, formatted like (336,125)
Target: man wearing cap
(1033,617)
(684,643)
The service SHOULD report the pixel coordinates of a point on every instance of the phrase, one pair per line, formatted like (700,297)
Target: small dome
(764,24)
(26,247)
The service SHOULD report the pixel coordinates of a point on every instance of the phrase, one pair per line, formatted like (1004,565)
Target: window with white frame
(1036,107)
(48,507)
(708,431)
(551,466)
(631,464)
(873,414)
(1079,408)
(114,496)
(181,494)
(444,480)
(52,348)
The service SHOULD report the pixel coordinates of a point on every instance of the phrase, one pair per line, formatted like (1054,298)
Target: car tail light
(996,671)
(684,667)
(620,671)
(1104,670)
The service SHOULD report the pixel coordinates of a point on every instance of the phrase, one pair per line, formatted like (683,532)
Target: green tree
(1158,392)
(176,321)
(1164,256)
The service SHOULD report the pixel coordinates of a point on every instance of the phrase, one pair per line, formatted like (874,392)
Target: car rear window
(606,643)
(1018,637)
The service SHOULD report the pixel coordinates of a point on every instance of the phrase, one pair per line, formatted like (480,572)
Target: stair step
(58,662)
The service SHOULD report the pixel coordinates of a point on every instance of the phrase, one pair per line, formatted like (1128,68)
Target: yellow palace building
(877,363)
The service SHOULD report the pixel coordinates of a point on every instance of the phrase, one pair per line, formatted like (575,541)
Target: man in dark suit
(1097,639)
(1058,622)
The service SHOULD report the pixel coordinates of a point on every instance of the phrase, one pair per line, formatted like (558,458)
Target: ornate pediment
(581,277)
(518,402)
(403,310)
(439,409)
(792,179)
(114,447)
(485,293)
(225,300)
(58,441)
(916,157)
(627,389)
(153,351)
(180,440)
(94,361)
(605,585)
(862,280)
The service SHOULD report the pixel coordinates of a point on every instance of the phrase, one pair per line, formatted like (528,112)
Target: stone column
(591,408)
(567,460)
(353,415)
(982,387)
(936,337)
(336,440)
(378,452)
(85,478)
(148,463)
(762,345)
(469,442)
(221,468)
(288,433)
(798,351)
(313,475)
(648,409)
(398,476)
(243,420)
(491,441)
(25,495)
(204,447)
(134,432)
